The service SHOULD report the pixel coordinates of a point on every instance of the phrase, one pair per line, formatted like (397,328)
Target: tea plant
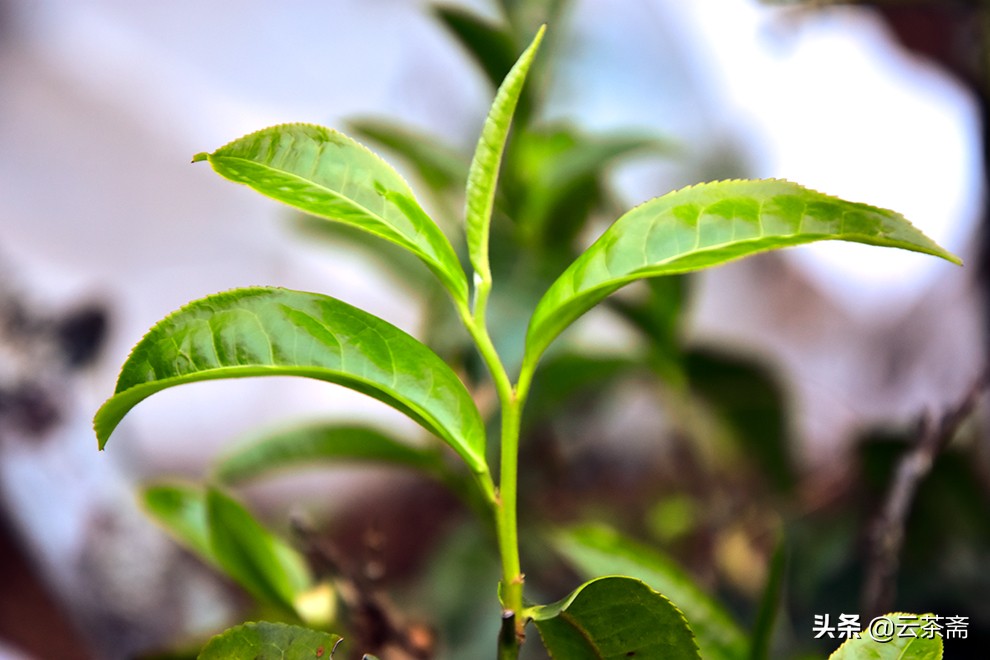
(278,332)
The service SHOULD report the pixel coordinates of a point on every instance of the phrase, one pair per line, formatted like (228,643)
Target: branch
(373,619)
(887,535)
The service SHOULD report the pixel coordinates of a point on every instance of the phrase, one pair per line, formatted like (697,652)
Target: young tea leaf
(279,332)
(323,443)
(483,173)
(270,641)
(888,641)
(325,173)
(614,618)
(704,226)
(596,551)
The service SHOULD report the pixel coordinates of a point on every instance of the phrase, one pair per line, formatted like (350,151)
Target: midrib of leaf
(566,616)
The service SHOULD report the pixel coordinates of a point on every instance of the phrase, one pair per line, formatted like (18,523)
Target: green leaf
(227,536)
(440,167)
(483,173)
(569,376)
(325,173)
(250,554)
(704,226)
(600,551)
(279,332)
(270,641)
(615,618)
(773,594)
(181,510)
(897,646)
(560,177)
(323,442)
(745,394)
(491,46)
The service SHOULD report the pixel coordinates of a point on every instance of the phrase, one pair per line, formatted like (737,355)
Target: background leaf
(278,332)
(773,595)
(745,394)
(181,510)
(594,551)
(441,168)
(704,226)
(251,555)
(325,173)
(270,641)
(897,648)
(614,617)
(332,444)
(491,46)
(226,535)
(322,442)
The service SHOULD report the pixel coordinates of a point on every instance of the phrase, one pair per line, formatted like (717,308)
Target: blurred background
(771,398)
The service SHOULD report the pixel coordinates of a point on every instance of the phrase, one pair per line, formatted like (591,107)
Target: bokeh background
(106,227)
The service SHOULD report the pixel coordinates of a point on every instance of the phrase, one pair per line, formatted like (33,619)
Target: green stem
(506,525)
(508,535)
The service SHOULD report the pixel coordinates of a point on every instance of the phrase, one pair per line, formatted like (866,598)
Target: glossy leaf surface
(323,443)
(901,640)
(270,641)
(325,173)
(483,172)
(704,226)
(279,332)
(615,618)
(600,551)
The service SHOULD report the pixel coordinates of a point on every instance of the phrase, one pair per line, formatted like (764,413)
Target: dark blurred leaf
(181,510)
(440,167)
(227,536)
(759,640)
(615,617)
(746,396)
(494,48)
(566,376)
(323,443)
(600,551)
(657,312)
(250,554)
(391,260)
(270,641)
(560,174)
